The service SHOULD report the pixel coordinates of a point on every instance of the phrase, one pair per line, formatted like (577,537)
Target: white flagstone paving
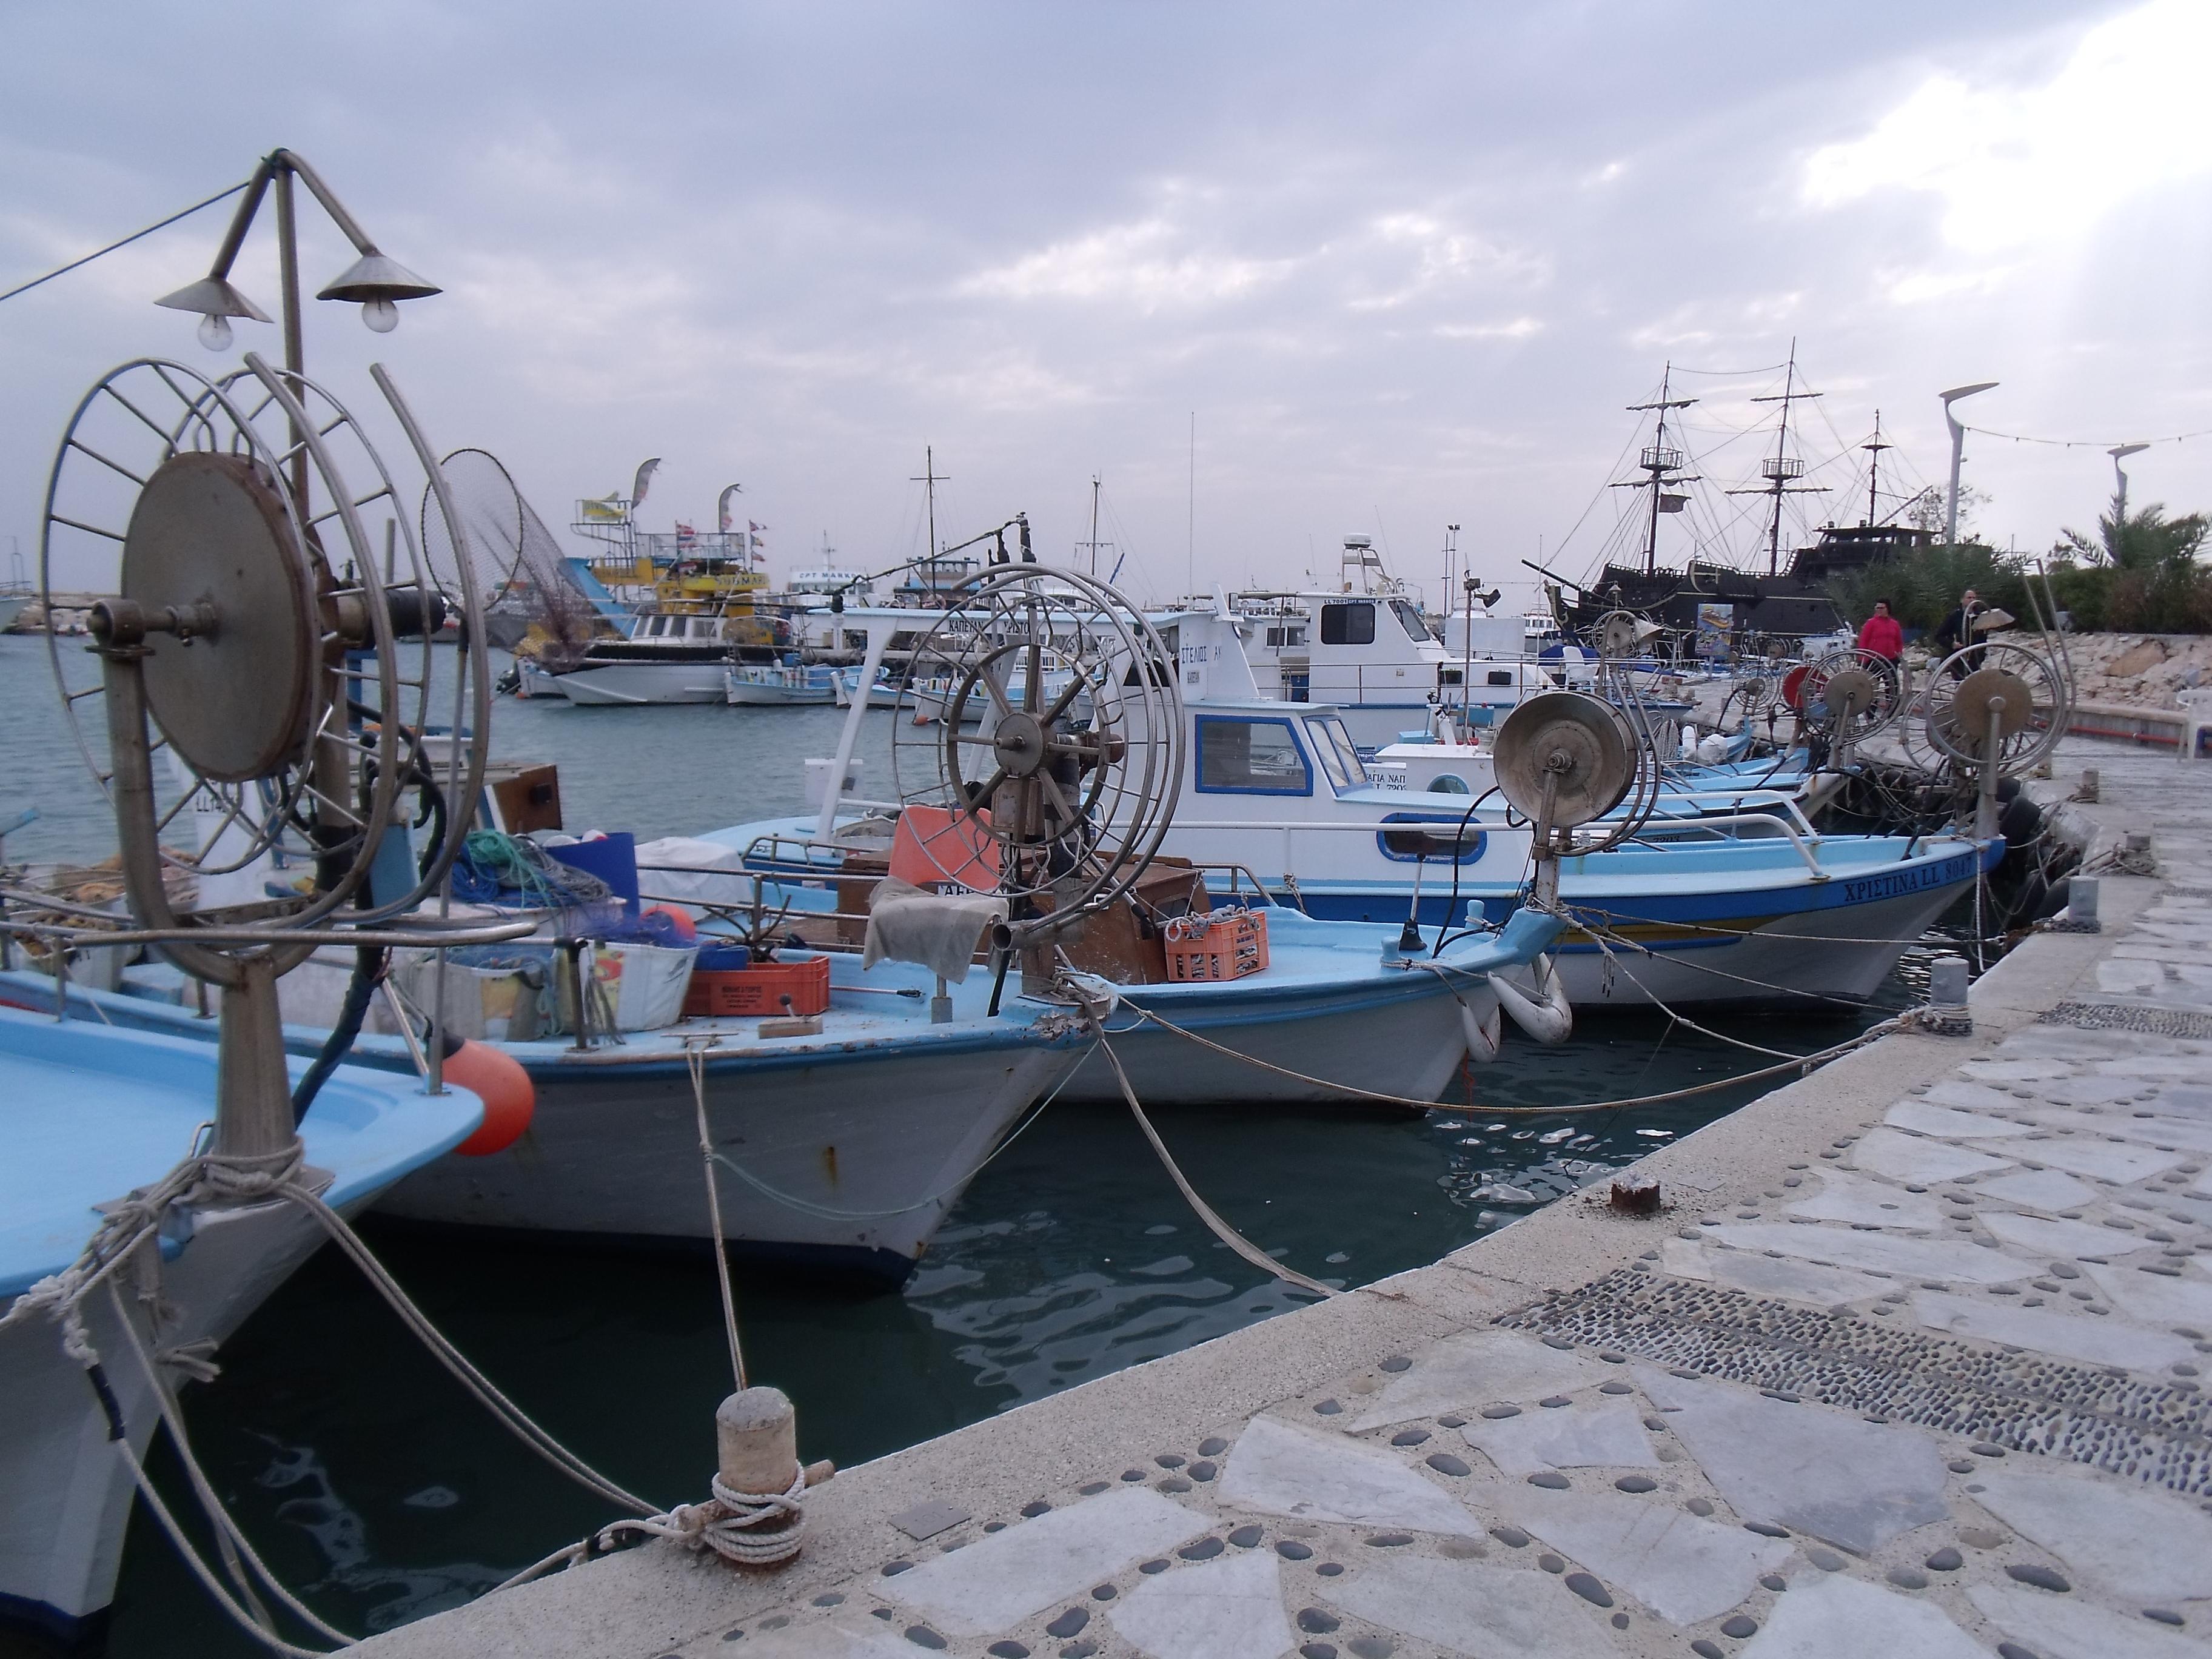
(2131,1540)
(1225,1609)
(2075,1238)
(2050,1190)
(2099,1342)
(2149,1297)
(1587,1434)
(1853,1483)
(1482,1369)
(1836,1618)
(1276,1469)
(1762,1275)
(2059,1627)
(1683,1568)
(1916,1158)
(1921,1258)
(1010,1575)
(1470,1608)
(1878,1204)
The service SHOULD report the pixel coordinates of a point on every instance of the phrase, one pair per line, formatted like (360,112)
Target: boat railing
(1663,831)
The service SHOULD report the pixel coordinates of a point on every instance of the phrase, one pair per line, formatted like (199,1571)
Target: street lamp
(2120,502)
(1958,453)
(374,282)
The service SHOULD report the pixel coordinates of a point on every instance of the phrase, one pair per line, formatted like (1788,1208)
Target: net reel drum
(1055,760)
(1855,695)
(1998,710)
(256,640)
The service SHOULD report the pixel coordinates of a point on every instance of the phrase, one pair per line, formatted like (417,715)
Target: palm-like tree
(2146,540)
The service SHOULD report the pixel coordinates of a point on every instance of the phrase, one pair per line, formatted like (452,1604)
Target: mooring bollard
(757,1471)
(1946,1013)
(2080,915)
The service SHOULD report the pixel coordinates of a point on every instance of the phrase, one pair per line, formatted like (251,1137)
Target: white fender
(1551,1020)
(1480,1019)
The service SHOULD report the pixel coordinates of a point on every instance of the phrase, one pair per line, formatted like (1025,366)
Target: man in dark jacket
(1958,632)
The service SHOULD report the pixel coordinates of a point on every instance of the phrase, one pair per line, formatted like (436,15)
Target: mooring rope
(695,1060)
(1205,1212)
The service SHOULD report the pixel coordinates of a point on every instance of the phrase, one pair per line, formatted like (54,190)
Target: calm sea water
(376,1486)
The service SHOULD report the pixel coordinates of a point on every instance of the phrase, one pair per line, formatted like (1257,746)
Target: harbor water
(372,1483)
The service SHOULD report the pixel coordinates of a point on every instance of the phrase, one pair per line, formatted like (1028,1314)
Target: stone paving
(1929,1386)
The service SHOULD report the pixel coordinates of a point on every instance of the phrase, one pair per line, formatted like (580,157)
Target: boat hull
(628,684)
(68,1493)
(1404,1039)
(857,1159)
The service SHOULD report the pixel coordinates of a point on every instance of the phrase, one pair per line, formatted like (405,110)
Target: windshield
(1411,620)
(1339,758)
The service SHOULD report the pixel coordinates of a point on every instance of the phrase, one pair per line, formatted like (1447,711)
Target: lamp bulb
(381,316)
(215,332)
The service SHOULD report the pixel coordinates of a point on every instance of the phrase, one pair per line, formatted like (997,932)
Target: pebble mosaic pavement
(1938,1392)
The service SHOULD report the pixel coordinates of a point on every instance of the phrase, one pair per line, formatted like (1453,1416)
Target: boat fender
(2019,821)
(1547,1016)
(497,1078)
(1478,1017)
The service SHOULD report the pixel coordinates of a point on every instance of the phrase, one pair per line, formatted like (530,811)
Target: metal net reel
(1620,635)
(1043,730)
(1853,693)
(1564,761)
(252,556)
(2004,691)
(262,672)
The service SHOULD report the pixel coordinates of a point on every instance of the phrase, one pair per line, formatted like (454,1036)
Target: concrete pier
(1908,1365)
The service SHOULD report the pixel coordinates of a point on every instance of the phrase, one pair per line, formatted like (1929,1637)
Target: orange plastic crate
(1229,947)
(759,991)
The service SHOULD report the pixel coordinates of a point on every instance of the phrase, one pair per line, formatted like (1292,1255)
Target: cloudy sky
(1404,264)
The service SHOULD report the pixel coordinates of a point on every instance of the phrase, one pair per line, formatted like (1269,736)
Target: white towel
(939,932)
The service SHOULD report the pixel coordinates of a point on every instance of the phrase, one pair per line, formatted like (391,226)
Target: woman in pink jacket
(1881,635)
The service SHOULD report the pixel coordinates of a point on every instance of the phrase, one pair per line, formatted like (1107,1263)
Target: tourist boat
(774,686)
(669,657)
(92,1114)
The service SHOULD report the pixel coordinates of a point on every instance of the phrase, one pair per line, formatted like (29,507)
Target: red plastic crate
(757,992)
(1232,945)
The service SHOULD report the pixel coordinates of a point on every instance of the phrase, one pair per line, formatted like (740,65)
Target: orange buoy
(678,918)
(509,1097)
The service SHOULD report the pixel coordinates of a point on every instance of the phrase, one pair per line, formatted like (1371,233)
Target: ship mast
(1779,468)
(930,479)
(1660,462)
(1873,447)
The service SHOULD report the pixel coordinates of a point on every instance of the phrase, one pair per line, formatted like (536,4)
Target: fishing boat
(94,1114)
(883,688)
(774,686)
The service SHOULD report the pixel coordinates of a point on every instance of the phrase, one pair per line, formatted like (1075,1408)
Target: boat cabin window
(1412,839)
(1340,758)
(657,627)
(1501,676)
(1280,638)
(1347,624)
(1410,619)
(1254,756)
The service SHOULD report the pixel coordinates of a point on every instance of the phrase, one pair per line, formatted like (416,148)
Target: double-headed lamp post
(2120,498)
(373,281)
(1958,453)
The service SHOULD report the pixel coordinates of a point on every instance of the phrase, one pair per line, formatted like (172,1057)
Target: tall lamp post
(374,282)
(2120,499)
(1958,453)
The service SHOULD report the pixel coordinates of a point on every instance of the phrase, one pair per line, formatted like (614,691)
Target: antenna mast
(1779,468)
(1659,461)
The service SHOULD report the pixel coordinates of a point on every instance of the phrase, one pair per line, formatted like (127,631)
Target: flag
(758,528)
(644,481)
(723,507)
(606,510)
(685,535)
